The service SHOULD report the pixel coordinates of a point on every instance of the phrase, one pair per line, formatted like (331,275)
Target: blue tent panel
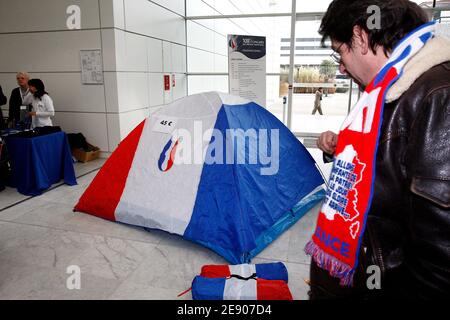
(238,210)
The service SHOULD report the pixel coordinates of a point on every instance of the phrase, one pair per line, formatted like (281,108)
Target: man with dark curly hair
(407,227)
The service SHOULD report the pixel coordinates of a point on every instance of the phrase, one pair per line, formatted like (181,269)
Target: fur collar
(435,51)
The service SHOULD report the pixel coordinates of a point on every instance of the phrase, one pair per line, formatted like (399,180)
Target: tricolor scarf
(336,242)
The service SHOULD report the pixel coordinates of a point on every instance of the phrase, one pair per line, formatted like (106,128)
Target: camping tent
(215,169)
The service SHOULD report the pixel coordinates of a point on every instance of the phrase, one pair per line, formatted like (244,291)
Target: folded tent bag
(268,271)
(242,282)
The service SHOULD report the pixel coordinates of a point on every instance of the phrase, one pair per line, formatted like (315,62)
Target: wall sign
(247,67)
(91,67)
(166,82)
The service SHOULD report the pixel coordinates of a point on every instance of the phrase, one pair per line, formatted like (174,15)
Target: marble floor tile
(298,280)
(21,208)
(68,195)
(112,258)
(48,214)
(301,233)
(278,249)
(171,267)
(56,249)
(28,282)
(42,236)
(86,223)
(14,235)
(9,196)
(83,168)
(135,291)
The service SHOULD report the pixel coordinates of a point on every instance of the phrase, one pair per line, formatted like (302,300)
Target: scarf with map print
(336,241)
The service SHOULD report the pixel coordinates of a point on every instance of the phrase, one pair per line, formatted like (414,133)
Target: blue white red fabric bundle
(336,242)
(267,281)
(233,208)
(268,271)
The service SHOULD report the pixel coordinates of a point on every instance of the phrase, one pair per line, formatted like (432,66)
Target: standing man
(18,95)
(3,101)
(3,165)
(318,101)
(401,229)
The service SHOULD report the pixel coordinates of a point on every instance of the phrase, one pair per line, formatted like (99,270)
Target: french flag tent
(216,169)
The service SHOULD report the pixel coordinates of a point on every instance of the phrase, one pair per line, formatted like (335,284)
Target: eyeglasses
(336,55)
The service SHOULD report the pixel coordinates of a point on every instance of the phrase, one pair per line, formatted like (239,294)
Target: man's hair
(23,74)
(398,18)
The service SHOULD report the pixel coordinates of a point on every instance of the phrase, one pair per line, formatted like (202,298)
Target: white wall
(140,40)
(35,38)
(150,44)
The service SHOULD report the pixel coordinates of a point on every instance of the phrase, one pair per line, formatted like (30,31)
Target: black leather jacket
(409,220)
(408,227)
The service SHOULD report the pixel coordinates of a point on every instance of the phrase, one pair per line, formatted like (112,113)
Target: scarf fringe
(335,267)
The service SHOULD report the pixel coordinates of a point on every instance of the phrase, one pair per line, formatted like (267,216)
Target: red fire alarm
(166,82)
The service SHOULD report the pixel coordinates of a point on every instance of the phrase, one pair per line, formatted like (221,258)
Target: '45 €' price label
(165,124)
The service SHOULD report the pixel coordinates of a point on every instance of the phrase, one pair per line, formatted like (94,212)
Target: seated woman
(42,105)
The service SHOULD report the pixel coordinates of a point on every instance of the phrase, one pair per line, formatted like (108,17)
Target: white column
(291,65)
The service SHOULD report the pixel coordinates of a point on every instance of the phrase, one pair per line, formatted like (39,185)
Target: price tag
(165,124)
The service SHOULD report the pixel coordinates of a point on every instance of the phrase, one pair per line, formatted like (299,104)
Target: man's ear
(361,40)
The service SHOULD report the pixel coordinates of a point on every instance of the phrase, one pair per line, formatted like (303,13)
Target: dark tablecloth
(38,162)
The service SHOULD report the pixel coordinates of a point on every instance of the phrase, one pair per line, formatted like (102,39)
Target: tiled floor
(41,237)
